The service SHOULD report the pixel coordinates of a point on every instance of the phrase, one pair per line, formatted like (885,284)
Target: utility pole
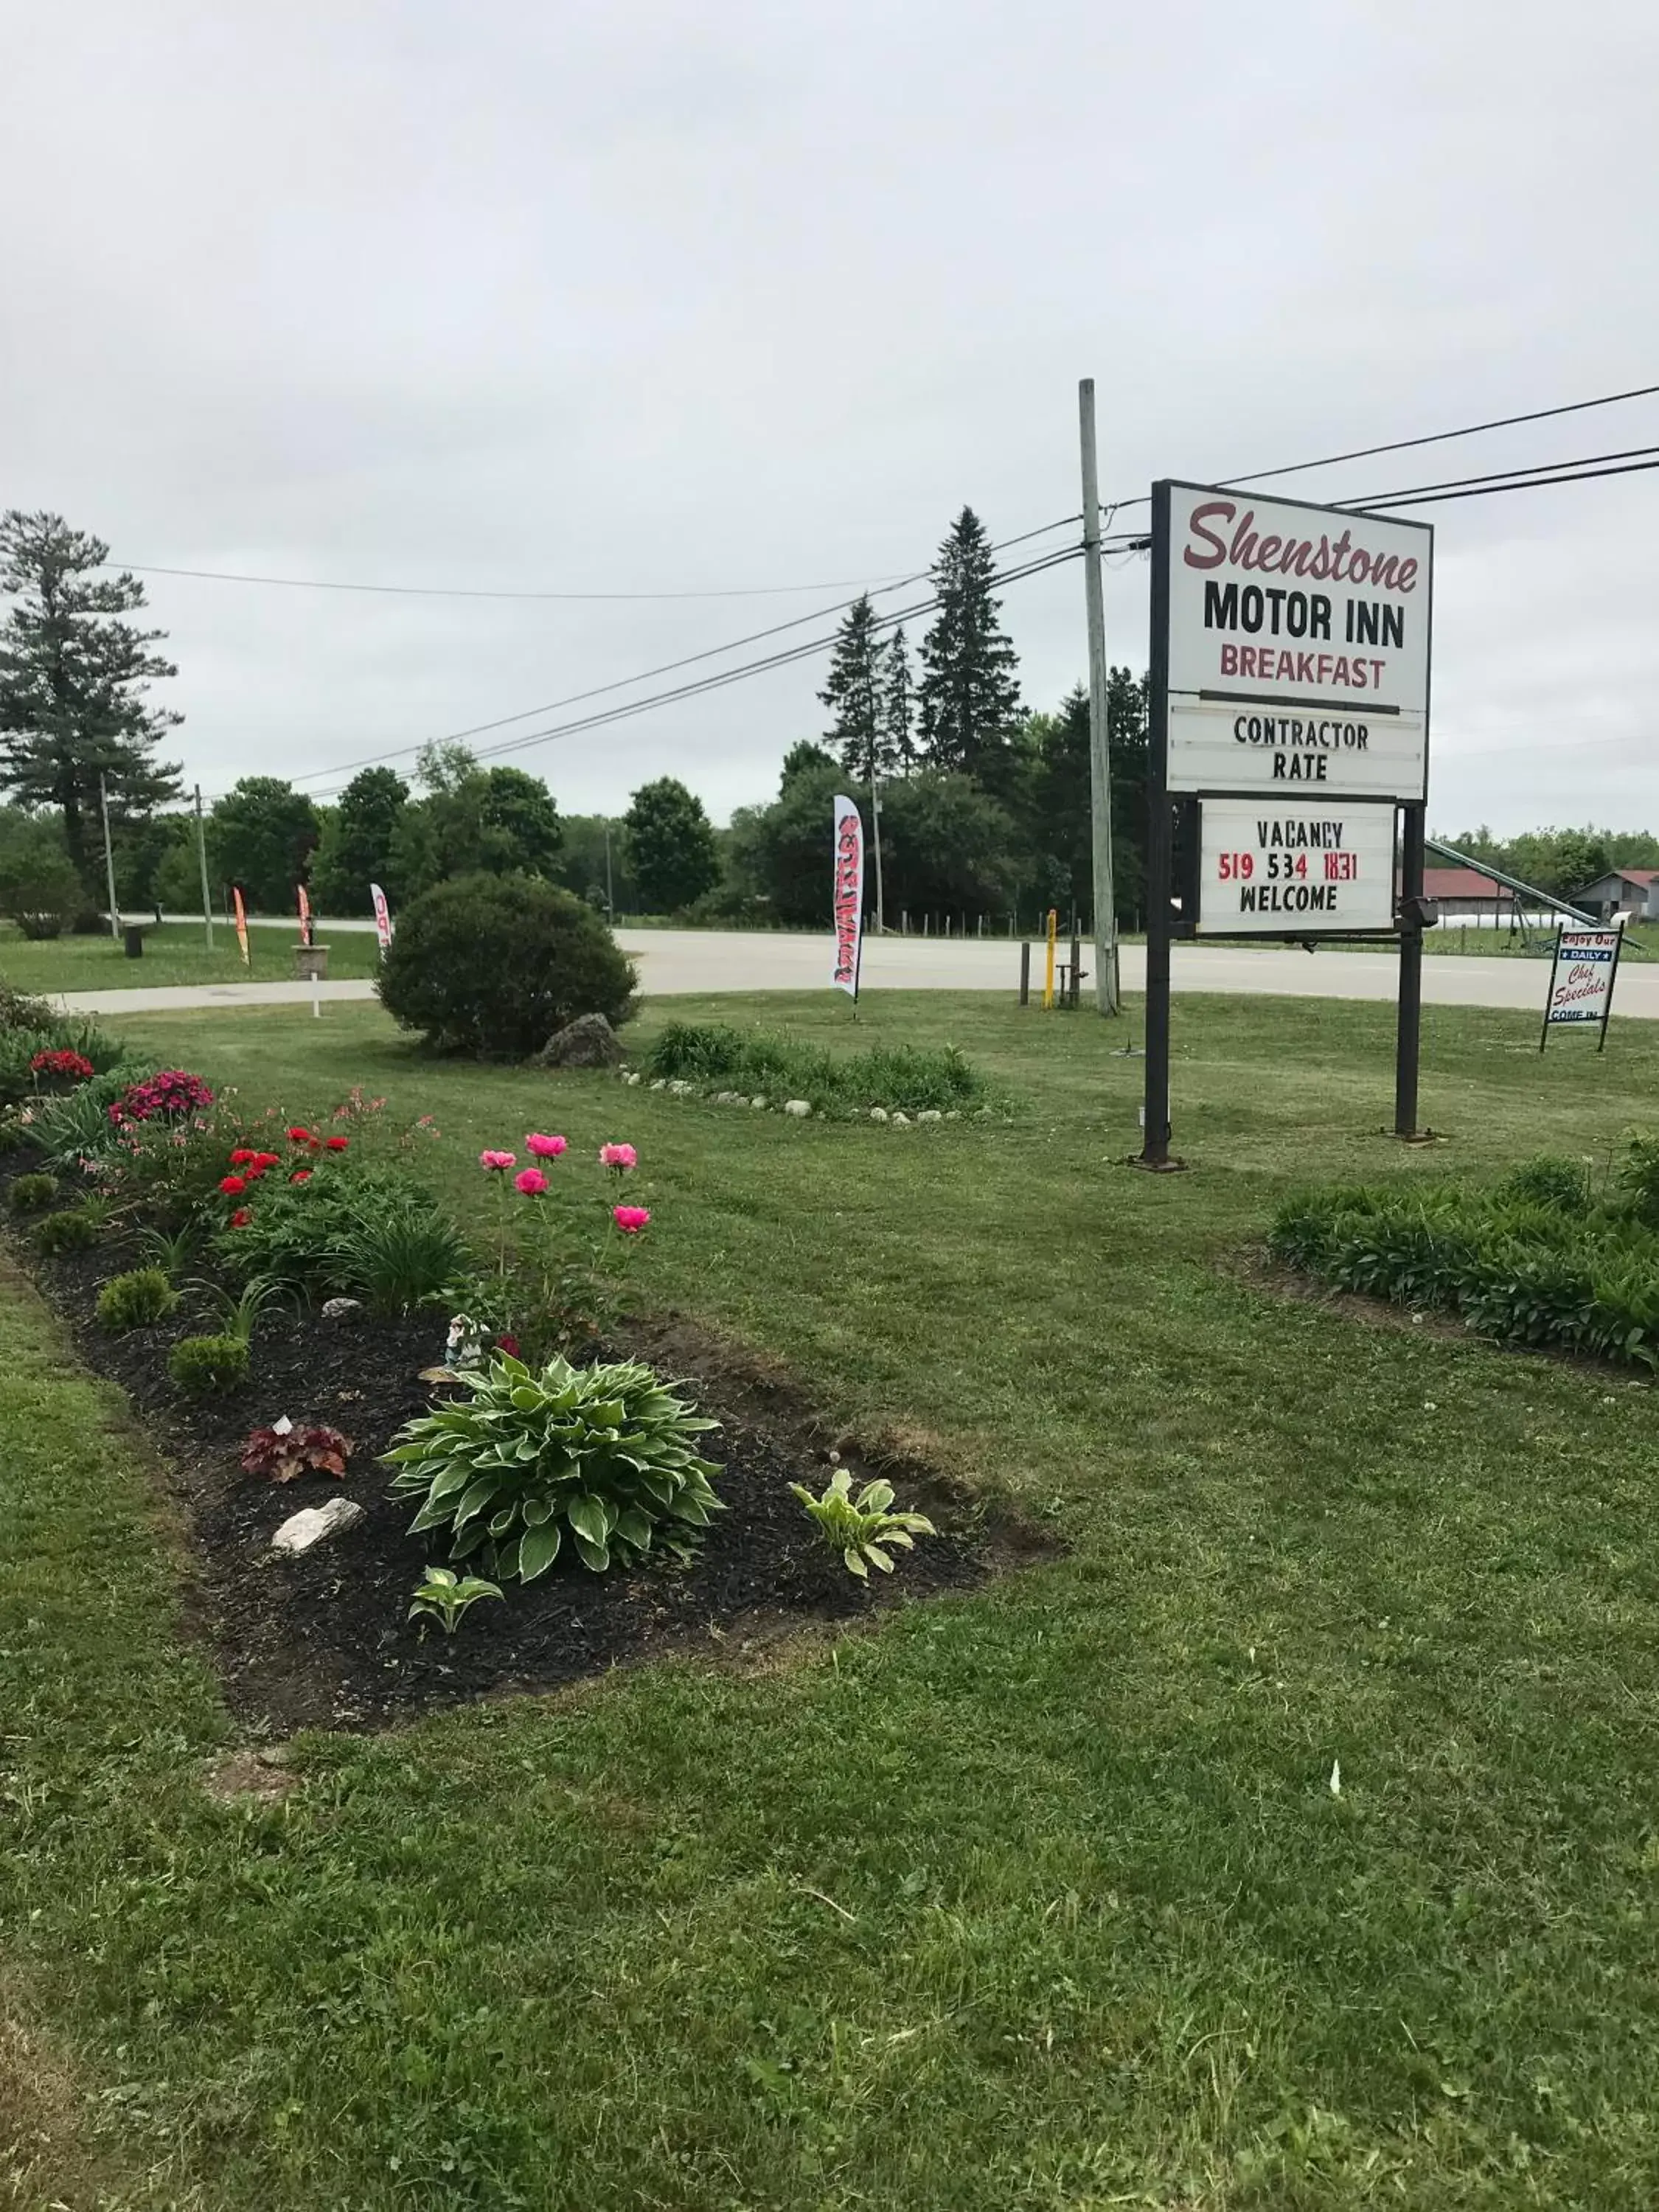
(610,892)
(1100,758)
(109,859)
(201,855)
(875,826)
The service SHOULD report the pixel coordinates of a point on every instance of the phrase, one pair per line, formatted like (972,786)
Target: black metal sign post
(1155,1141)
(1408,1025)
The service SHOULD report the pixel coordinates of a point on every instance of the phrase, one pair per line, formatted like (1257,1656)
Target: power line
(462,592)
(1425,496)
(803,650)
(664,668)
(1517,475)
(1434,437)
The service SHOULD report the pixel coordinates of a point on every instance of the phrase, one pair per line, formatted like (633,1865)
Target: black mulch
(323,1640)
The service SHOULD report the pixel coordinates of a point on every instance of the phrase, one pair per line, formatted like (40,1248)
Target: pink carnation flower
(630,1219)
(546,1148)
(531,1181)
(498,1163)
(619,1157)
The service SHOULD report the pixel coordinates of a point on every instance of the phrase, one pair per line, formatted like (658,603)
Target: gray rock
(661,1084)
(800,1108)
(930,1114)
(588,1041)
(633,1076)
(301,1531)
(340,1309)
(900,1120)
(878,1113)
(759,1105)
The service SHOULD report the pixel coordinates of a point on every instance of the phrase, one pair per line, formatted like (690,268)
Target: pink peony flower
(545,1148)
(531,1182)
(497,1163)
(620,1156)
(630,1219)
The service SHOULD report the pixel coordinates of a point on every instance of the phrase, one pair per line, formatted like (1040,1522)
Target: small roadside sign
(1581,981)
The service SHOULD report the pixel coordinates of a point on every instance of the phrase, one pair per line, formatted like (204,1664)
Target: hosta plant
(606,1456)
(863,1528)
(284,1452)
(442,1595)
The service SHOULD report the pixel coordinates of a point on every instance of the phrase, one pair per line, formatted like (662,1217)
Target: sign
(1282,867)
(1298,648)
(848,891)
(305,935)
(382,919)
(241,912)
(1581,981)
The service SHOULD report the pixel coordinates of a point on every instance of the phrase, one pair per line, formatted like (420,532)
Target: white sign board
(1298,648)
(1294,867)
(1581,978)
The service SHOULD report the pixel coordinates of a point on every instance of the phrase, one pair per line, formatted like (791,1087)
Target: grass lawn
(174,953)
(1034,1900)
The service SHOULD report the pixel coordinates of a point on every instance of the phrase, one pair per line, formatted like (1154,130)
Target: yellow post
(1049,972)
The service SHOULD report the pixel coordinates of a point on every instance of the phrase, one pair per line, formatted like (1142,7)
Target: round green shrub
(72,1230)
(32,1193)
(209,1366)
(493,965)
(136,1299)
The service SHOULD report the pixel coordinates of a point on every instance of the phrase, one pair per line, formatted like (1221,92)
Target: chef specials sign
(1298,647)
(1281,868)
(1581,981)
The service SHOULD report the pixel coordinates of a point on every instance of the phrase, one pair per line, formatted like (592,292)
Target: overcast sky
(665,297)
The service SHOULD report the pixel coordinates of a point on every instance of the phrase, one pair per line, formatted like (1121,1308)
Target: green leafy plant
(32,1193)
(442,1595)
(284,1451)
(14,1133)
(137,1300)
(862,1528)
(239,1317)
(1551,1181)
(373,1233)
(604,1454)
(904,1079)
(170,1252)
(75,1230)
(209,1366)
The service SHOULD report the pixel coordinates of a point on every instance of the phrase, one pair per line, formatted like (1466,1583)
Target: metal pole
(201,855)
(1409,1032)
(1048,971)
(1025,972)
(875,829)
(610,890)
(1155,1143)
(109,860)
(1100,760)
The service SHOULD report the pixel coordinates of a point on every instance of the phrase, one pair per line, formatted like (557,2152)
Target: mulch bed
(323,1641)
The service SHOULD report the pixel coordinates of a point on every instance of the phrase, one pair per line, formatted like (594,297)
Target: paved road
(678,961)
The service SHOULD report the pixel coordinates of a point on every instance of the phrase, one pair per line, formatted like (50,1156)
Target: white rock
(953,1115)
(900,1120)
(632,1077)
(661,1084)
(800,1108)
(759,1105)
(930,1114)
(340,1309)
(878,1113)
(301,1530)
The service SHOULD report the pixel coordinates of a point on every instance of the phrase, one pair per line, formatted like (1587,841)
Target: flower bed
(273,1391)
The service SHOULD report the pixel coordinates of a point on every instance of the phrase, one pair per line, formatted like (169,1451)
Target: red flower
(508,1343)
(242,1158)
(298,1136)
(338,1144)
(300,1175)
(263,1160)
(232,1186)
(240,1219)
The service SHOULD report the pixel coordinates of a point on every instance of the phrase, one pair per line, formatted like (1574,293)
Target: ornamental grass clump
(907,1078)
(605,1455)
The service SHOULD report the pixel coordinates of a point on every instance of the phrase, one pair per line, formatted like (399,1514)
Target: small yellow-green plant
(209,1366)
(862,1528)
(137,1300)
(444,1596)
(72,1230)
(32,1193)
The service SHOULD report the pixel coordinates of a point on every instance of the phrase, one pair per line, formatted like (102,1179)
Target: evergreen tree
(852,692)
(897,710)
(969,691)
(73,677)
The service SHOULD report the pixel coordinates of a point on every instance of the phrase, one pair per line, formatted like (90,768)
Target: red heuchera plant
(168,1096)
(283,1452)
(74,1066)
